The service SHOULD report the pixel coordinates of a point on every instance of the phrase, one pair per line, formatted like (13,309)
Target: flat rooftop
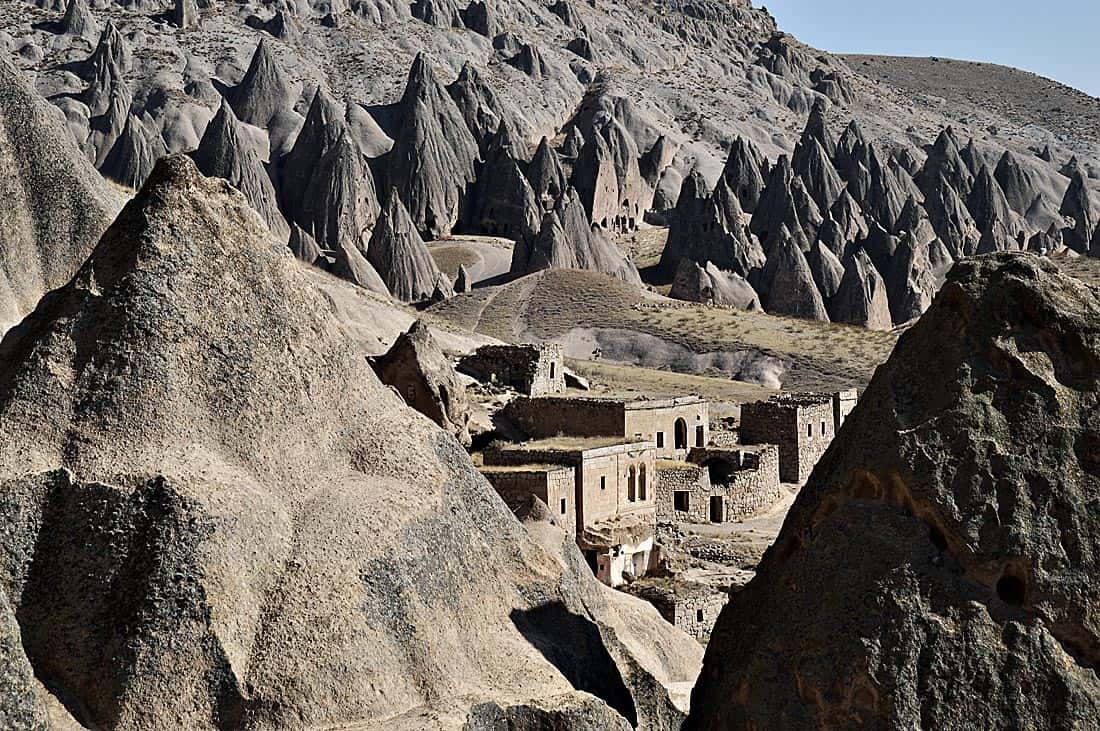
(573,444)
(520,468)
(628,402)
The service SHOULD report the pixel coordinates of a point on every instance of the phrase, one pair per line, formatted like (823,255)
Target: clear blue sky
(1059,39)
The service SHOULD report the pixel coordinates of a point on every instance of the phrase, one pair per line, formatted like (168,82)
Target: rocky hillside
(937,566)
(359,130)
(207,529)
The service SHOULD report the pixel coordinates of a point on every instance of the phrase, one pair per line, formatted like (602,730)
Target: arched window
(641,483)
(631,487)
(681,434)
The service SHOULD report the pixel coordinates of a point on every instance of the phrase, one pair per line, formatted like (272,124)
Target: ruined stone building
(691,607)
(674,426)
(553,484)
(535,370)
(613,497)
(718,485)
(802,424)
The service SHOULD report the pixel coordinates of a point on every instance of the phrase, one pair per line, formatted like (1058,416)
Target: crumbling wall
(536,370)
(696,613)
(541,418)
(553,486)
(749,485)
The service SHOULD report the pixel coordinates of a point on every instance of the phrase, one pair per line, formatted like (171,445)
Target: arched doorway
(681,434)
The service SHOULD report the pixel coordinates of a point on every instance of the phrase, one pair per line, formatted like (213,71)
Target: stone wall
(552,485)
(802,427)
(536,370)
(540,418)
(696,613)
(656,421)
(723,485)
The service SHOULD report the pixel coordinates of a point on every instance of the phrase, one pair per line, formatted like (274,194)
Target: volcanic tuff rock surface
(635,97)
(207,528)
(55,205)
(939,566)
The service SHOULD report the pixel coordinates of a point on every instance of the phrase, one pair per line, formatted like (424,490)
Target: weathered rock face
(55,204)
(133,155)
(432,160)
(426,379)
(861,298)
(399,255)
(710,285)
(566,240)
(253,530)
(937,567)
(224,153)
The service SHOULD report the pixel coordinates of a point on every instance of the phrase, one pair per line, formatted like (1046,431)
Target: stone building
(719,485)
(674,426)
(802,425)
(535,370)
(554,485)
(690,606)
(843,403)
(614,495)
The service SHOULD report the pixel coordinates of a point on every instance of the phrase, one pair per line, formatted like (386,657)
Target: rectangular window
(603,483)
(681,500)
(563,506)
(698,615)
(823,428)
(809,430)
(660,440)
(699,438)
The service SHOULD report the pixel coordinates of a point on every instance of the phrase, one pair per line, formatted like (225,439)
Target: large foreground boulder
(213,514)
(939,568)
(55,204)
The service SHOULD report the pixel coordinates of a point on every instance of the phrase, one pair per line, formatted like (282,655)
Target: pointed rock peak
(970,156)
(78,20)
(787,282)
(399,255)
(861,298)
(852,136)
(133,155)
(743,174)
(111,52)
(529,60)
(817,128)
(264,92)
(1071,168)
(1046,155)
(422,83)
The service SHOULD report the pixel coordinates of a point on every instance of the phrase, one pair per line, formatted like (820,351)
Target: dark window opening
(1011,590)
(681,500)
(698,615)
(681,434)
(553,370)
(563,506)
(823,428)
(809,430)
(700,439)
(603,483)
(660,440)
(719,471)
